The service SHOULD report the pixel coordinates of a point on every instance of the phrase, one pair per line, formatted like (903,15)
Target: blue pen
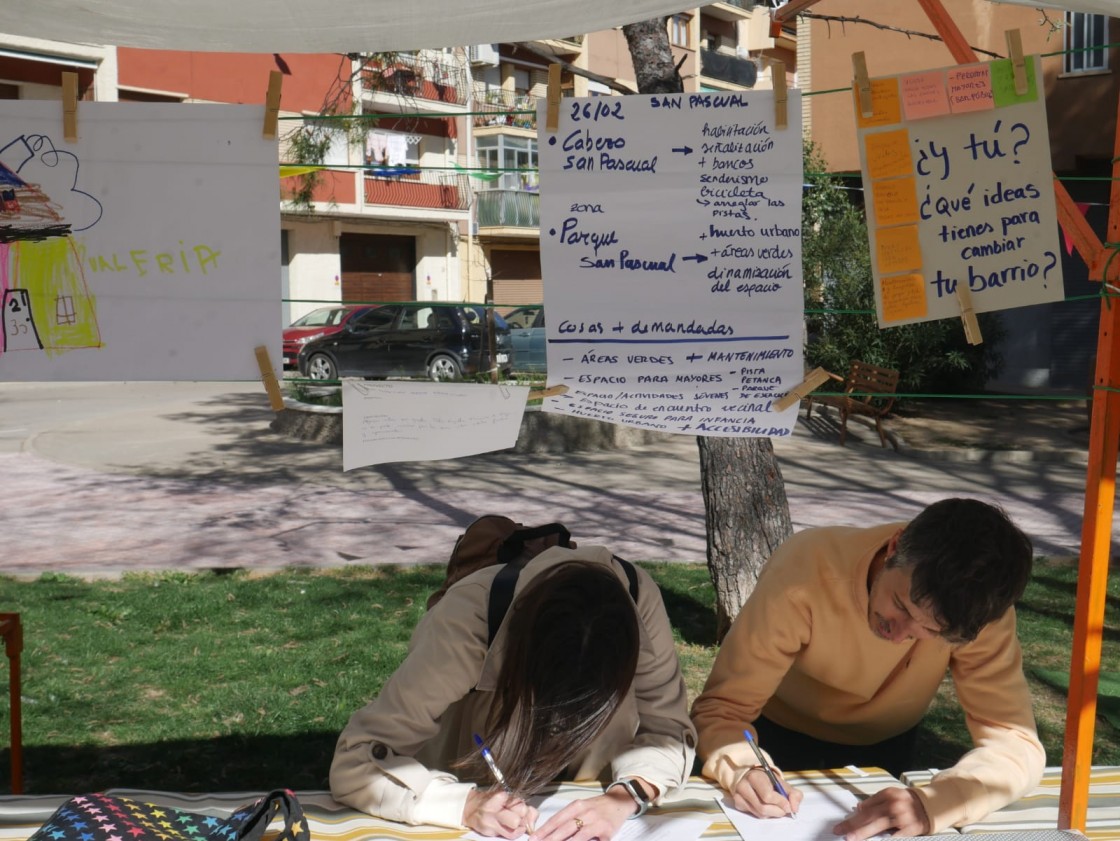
(489,757)
(774,781)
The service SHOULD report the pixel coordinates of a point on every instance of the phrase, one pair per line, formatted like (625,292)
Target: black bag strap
(251,822)
(501,589)
(513,545)
(631,575)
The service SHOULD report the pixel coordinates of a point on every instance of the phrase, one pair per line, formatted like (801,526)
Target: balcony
(416,77)
(508,209)
(405,187)
(496,107)
(728,68)
(729,10)
(567,45)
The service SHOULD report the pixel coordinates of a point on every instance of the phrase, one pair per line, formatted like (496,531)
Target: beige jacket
(801,652)
(388,759)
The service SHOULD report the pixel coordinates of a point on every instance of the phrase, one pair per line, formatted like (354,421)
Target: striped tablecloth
(20,816)
(1039,808)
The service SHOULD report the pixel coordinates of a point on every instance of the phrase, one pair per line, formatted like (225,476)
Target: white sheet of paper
(819,812)
(146,250)
(648,827)
(671,251)
(420,421)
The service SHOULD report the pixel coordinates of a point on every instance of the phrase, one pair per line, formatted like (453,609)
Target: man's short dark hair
(969,564)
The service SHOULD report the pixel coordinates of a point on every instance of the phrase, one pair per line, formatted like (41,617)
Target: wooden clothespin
(551,391)
(1018,63)
(70,107)
(781,96)
(968,315)
(862,84)
(268,377)
(272,105)
(552,115)
(813,380)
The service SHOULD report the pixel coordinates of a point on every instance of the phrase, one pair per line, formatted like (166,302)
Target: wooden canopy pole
(1096,532)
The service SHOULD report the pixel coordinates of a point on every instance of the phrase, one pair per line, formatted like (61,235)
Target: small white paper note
(417,421)
(649,827)
(819,812)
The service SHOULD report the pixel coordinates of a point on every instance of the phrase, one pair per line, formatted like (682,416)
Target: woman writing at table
(581,682)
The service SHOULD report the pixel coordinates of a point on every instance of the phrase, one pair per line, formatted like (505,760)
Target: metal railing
(405,187)
(499,107)
(423,76)
(508,209)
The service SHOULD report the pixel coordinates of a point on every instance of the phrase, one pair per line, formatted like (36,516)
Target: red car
(320,322)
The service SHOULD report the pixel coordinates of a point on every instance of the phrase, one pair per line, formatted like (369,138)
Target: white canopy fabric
(1098,7)
(317,26)
(343,26)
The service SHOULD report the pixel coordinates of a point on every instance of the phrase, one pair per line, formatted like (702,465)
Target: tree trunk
(744,493)
(654,69)
(747,517)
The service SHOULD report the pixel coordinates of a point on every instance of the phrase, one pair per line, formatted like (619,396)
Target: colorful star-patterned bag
(104,817)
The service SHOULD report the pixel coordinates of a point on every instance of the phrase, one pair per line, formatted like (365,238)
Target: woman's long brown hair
(571,654)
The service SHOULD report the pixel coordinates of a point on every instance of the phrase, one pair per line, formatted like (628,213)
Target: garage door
(517,277)
(377,267)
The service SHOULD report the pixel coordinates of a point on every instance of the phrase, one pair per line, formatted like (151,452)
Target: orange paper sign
(885,104)
(904,297)
(888,154)
(898,249)
(895,201)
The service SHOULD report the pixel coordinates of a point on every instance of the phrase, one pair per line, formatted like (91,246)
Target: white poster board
(147,250)
(426,421)
(671,253)
(957,176)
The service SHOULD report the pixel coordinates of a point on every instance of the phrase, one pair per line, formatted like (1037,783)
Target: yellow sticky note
(888,154)
(895,201)
(886,107)
(897,249)
(903,297)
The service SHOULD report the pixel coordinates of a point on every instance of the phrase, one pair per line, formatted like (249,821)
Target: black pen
(774,781)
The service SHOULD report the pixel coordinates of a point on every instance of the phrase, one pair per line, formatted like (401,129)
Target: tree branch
(909,33)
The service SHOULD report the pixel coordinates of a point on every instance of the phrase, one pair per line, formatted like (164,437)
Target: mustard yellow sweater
(801,652)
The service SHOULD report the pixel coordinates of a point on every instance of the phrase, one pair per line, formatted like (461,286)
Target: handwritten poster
(147,250)
(671,250)
(418,421)
(956,170)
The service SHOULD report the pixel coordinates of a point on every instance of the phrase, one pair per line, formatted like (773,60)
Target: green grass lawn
(239,682)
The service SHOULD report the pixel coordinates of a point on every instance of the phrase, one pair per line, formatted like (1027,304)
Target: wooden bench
(868,391)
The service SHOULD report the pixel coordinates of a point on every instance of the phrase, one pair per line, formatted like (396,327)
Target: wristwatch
(635,791)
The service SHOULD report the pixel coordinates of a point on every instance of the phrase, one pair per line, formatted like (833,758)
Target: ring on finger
(579,824)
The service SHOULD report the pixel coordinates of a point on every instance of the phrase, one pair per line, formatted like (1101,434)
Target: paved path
(101,478)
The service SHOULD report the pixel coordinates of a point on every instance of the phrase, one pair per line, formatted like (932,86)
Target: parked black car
(436,340)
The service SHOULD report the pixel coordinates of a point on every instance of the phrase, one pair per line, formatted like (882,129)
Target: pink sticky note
(970,88)
(924,95)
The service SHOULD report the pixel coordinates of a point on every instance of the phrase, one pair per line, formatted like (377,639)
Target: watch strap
(637,793)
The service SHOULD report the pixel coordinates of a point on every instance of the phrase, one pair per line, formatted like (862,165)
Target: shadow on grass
(693,620)
(232,763)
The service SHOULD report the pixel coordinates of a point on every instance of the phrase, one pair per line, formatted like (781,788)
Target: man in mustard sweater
(840,649)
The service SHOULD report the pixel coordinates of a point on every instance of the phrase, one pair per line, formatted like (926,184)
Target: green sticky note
(1003,83)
